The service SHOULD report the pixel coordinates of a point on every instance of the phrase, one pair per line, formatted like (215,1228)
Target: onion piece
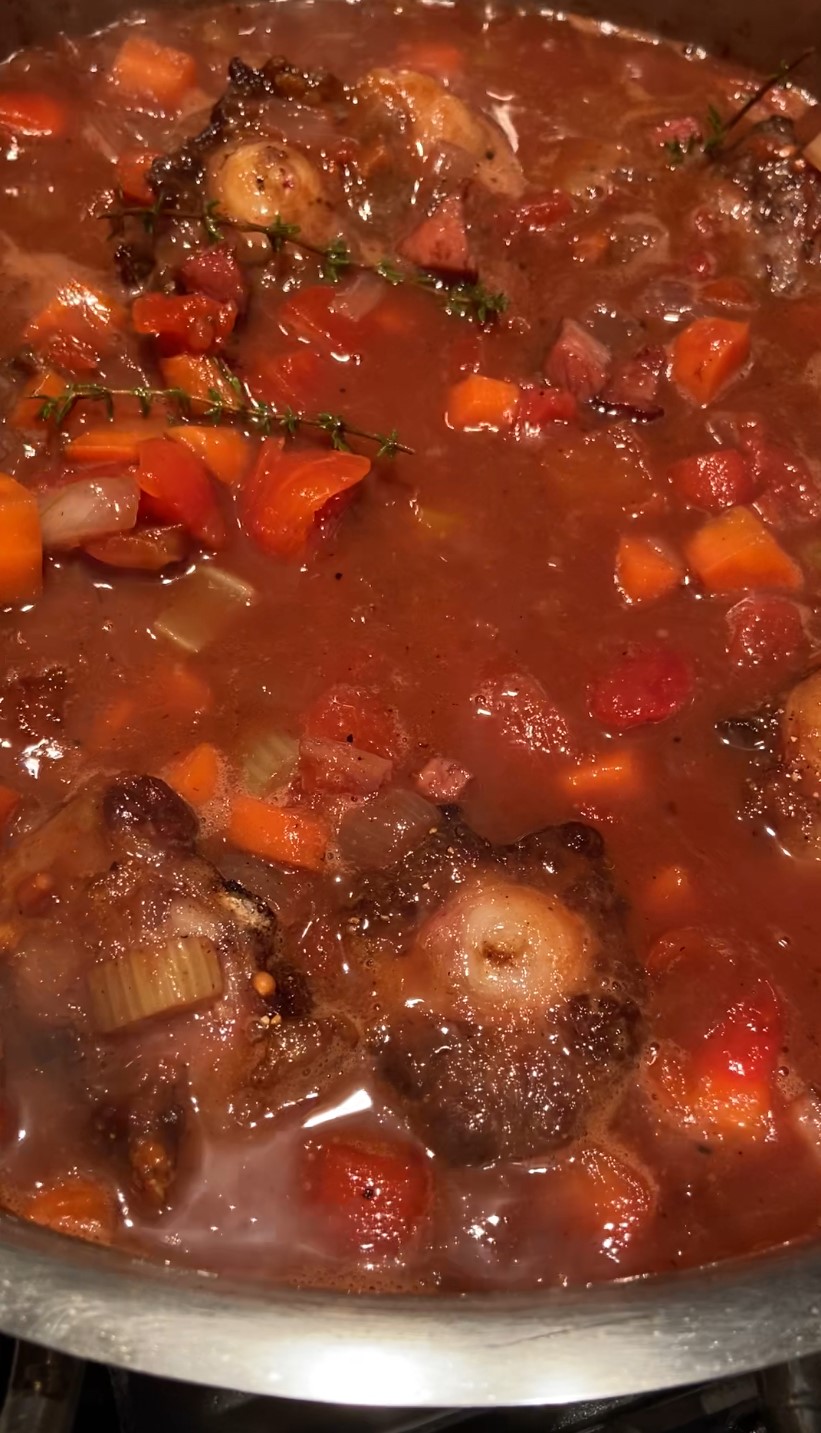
(86,510)
(271,761)
(338,766)
(359,297)
(812,152)
(145,983)
(203,605)
(146,549)
(376,836)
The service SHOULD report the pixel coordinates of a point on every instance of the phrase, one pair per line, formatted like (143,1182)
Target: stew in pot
(410,561)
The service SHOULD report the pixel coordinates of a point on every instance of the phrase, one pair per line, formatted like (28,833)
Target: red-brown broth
(481,555)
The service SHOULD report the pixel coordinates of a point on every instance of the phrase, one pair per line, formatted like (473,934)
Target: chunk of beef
(476,1094)
(144,1132)
(784,193)
(521,986)
(632,390)
(786,793)
(577,362)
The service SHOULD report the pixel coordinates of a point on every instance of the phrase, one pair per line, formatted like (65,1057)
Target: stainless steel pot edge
(557,1347)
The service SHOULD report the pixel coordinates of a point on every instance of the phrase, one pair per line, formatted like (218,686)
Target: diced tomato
(645,685)
(727,292)
(373,1194)
(76,329)
(83,1208)
(176,488)
(577,362)
(789,494)
(604,1196)
(29,114)
(715,480)
(539,406)
(192,321)
(359,718)
(286,491)
(537,215)
(340,766)
(442,780)
(131,172)
(764,631)
(520,713)
(441,241)
(216,273)
(286,378)
(310,314)
(731,1076)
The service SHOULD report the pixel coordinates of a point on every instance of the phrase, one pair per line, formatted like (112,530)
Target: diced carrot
(77,327)
(287,491)
(481,402)
(668,894)
(736,551)
(195,776)
(78,1206)
(646,569)
(193,321)
(183,691)
(610,774)
(111,442)
(201,378)
(131,172)
(26,411)
(32,115)
(158,73)
(707,354)
(21,543)
(9,801)
(112,722)
(288,837)
(225,452)
(590,248)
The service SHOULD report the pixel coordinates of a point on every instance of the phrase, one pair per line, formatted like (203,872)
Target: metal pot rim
(560,1346)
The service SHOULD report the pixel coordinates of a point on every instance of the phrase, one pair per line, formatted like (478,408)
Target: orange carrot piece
(184,692)
(21,543)
(77,328)
(9,801)
(707,354)
(195,776)
(286,492)
(288,837)
(617,773)
(728,291)
(112,722)
(158,73)
(432,58)
(26,411)
(111,443)
(199,377)
(646,569)
(131,171)
(31,115)
(226,453)
(736,551)
(668,894)
(77,1206)
(480,402)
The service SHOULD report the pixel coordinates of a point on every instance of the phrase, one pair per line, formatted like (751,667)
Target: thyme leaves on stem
(262,418)
(463,299)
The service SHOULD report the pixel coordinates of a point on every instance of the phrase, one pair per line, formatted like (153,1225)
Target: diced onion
(271,761)
(356,299)
(90,508)
(203,605)
(812,152)
(376,836)
(338,766)
(146,983)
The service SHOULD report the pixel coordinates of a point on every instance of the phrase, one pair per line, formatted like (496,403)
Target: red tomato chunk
(644,685)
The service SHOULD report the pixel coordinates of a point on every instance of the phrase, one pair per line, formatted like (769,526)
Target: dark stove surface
(50,1393)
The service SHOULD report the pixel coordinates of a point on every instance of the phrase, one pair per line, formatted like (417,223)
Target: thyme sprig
(261,418)
(464,299)
(716,130)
